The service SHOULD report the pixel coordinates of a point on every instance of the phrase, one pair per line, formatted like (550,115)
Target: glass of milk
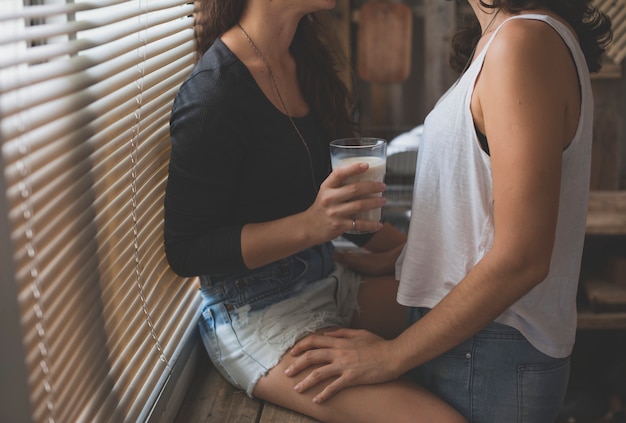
(372,151)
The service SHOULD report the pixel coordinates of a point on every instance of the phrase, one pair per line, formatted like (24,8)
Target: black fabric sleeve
(201,236)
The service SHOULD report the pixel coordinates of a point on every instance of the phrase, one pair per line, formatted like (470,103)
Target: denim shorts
(250,320)
(497,376)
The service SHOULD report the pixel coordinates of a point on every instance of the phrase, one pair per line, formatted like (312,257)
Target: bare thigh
(398,401)
(379,312)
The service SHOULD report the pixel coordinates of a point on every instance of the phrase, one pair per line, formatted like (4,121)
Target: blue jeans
(497,376)
(249,320)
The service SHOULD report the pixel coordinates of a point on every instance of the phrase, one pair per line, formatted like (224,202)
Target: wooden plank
(273,414)
(384,42)
(605,296)
(616,270)
(439,27)
(588,320)
(211,399)
(607,201)
(606,213)
(608,134)
(343,16)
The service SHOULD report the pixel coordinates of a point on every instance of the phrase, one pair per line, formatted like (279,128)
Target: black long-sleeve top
(235,159)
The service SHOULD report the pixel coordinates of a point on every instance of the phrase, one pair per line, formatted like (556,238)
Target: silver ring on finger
(353,224)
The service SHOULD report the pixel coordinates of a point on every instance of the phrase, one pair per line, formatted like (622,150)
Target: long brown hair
(592,27)
(314,48)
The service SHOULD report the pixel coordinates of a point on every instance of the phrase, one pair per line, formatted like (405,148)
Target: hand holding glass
(372,151)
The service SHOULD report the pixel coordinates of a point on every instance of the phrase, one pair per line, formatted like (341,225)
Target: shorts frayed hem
(252,342)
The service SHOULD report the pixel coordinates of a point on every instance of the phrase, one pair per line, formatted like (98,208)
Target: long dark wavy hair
(315,50)
(592,27)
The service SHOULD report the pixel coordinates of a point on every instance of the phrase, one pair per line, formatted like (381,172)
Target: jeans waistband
(307,266)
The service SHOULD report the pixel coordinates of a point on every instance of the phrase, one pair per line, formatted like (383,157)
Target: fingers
(311,342)
(316,349)
(356,198)
(364,226)
(337,202)
(342,333)
(308,359)
(341,358)
(337,176)
(329,391)
(327,340)
(320,374)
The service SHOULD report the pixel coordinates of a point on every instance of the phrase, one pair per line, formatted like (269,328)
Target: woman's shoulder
(215,81)
(524,56)
(527,38)
(215,64)
(535,30)
(528,29)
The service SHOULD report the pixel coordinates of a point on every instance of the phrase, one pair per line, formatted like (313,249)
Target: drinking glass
(372,151)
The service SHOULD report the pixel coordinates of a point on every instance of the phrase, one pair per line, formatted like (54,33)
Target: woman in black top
(251,207)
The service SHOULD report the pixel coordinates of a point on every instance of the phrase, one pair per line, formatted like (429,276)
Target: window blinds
(86,88)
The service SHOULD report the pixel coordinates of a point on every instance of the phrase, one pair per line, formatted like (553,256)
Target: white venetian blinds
(86,88)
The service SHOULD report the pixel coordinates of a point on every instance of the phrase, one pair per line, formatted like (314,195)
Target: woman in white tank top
(491,266)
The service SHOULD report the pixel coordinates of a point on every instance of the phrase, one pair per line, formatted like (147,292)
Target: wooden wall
(608,164)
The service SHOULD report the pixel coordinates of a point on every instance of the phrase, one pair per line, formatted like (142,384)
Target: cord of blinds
(86,88)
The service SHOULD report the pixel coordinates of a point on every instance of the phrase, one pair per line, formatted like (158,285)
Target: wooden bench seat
(211,399)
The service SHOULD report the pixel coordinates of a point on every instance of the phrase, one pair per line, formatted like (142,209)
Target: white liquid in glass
(376,172)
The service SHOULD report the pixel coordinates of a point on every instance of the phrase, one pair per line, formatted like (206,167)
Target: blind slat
(44,10)
(124,11)
(97,81)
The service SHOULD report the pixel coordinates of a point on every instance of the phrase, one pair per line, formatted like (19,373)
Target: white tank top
(452,217)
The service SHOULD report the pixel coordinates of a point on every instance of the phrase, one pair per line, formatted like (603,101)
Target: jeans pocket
(207,326)
(449,376)
(542,388)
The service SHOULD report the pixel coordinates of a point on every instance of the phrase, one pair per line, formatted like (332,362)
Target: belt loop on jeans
(205,281)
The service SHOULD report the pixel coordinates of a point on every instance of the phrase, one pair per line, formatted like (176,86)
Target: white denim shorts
(250,320)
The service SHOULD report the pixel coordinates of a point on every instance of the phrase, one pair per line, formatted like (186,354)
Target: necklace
(495,15)
(469,60)
(282,102)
